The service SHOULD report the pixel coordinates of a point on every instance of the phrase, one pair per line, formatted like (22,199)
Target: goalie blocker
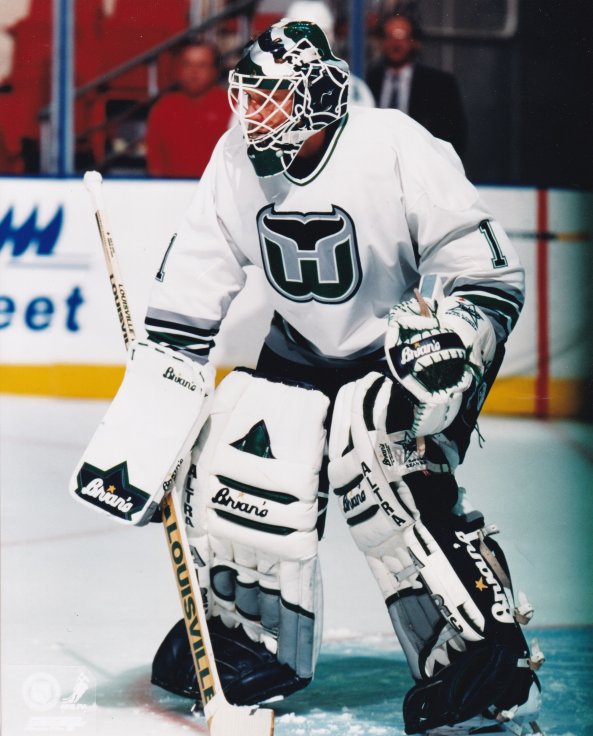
(125,469)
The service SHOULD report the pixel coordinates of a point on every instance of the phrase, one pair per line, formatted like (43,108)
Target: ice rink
(86,602)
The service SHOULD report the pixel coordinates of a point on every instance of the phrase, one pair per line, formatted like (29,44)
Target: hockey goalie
(394,290)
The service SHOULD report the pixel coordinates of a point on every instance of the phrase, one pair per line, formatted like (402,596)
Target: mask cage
(279,115)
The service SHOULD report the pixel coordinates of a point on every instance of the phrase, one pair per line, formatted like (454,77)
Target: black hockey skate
(249,673)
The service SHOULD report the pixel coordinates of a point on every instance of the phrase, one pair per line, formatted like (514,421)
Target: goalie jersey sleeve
(386,204)
(457,237)
(198,277)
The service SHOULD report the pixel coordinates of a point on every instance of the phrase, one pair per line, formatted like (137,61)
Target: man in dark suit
(428,95)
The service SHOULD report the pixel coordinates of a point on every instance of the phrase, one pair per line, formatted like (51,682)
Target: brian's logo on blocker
(310,256)
(110,490)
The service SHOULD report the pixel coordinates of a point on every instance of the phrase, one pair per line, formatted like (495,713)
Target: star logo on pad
(481,585)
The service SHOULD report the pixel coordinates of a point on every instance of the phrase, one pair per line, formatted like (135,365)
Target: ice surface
(86,602)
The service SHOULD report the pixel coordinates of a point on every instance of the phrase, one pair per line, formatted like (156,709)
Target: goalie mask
(287,86)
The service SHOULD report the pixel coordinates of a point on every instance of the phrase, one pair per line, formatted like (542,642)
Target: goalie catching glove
(435,347)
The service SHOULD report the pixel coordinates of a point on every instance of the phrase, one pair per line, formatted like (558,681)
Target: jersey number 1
(499,260)
(160,276)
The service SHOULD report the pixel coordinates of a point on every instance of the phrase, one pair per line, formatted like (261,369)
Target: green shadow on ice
(353,681)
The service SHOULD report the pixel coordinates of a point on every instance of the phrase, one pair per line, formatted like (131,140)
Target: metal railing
(50,141)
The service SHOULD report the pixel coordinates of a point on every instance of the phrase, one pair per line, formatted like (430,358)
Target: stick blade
(241,720)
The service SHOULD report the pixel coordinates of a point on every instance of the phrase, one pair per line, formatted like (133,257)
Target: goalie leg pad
(445,583)
(252,500)
(367,469)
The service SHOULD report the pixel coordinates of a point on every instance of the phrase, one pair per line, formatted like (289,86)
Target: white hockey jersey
(386,204)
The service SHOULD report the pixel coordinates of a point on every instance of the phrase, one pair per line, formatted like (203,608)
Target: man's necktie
(394,100)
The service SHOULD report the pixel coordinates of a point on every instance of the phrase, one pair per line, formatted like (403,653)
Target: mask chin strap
(272,161)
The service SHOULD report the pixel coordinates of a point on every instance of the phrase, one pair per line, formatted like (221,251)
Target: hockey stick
(92,181)
(223,718)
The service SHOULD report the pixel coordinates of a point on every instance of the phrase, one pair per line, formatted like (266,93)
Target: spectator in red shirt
(184,126)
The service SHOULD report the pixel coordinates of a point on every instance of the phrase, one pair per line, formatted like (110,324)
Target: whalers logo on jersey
(310,256)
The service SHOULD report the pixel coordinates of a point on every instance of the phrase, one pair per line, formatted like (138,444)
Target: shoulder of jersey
(232,148)
(232,137)
(382,125)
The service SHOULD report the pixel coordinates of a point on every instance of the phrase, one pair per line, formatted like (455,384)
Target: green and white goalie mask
(287,86)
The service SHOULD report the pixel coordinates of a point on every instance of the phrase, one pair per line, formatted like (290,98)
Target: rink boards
(60,336)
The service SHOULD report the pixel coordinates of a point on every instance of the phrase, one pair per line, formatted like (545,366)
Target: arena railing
(242,10)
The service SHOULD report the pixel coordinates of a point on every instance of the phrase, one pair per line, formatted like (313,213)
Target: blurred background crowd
(507,82)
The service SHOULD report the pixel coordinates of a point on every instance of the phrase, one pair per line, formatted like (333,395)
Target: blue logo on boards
(29,236)
(31,245)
